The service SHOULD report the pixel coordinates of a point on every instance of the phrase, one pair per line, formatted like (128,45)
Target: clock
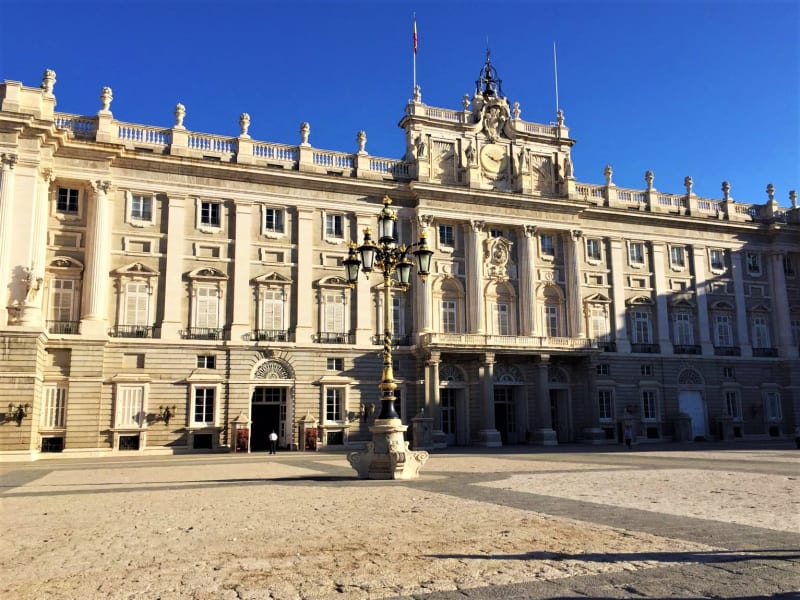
(494,159)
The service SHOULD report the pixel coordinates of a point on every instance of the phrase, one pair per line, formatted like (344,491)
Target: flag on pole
(415,35)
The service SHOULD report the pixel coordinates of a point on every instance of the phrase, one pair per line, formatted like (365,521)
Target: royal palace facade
(165,290)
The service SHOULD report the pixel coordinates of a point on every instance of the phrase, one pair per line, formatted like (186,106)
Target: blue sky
(702,88)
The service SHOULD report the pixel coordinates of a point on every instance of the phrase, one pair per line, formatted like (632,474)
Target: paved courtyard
(672,521)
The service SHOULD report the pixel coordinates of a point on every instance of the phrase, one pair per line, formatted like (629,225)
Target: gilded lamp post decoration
(387,456)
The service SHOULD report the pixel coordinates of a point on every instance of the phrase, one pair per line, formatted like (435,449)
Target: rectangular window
(600,324)
(273,220)
(398,327)
(604,405)
(646,370)
(449,316)
(62,294)
(649,406)
(501,319)
(642,332)
(551,321)
(727,372)
(210,213)
(788,266)
(773,402)
(447,410)
(446,236)
(593,249)
(272,304)
(795,327)
(130,407)
(496,233)
(207,305)
(203,413)
(334,404)
(753,263)
(547,245)
(636,253)
(142,208)
(603,369)
(334,226)
(137,298)
(717,259)
(760,333)
(723,331)
(54,407)
(683,331)
(67,201)
(206,361)
(334,313)
(677,256)
(335,364)
(733,407)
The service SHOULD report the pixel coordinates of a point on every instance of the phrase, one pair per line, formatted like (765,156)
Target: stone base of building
(596,435)
(388,455)
(490,438)
(544,437)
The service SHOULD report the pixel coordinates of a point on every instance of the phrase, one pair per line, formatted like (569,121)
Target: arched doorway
(271,406)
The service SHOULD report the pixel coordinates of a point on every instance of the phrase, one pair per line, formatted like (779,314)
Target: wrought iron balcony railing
(686,349)
(328,337)
(397,340)
(646,348)
(64,327)
(727,351)
(202,333)
(132,331)
(508,341)
(272,335)
(768,352)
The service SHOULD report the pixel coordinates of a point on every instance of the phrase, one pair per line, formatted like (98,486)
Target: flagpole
(555,71)
(414,89)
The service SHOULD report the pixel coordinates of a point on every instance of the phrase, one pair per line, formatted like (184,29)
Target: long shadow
(699,557)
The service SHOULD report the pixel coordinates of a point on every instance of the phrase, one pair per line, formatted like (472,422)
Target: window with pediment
(207,288)
(272,306)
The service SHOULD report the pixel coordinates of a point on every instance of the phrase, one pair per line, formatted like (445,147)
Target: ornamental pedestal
(388,455)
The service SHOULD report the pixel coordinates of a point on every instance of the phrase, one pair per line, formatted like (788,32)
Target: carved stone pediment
(136,269)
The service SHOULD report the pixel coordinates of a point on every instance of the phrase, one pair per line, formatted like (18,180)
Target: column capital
(575,234)
(488,358)
(8,160)
(529,231)
(477,226)
(100,186)
(47,175)
(425,221)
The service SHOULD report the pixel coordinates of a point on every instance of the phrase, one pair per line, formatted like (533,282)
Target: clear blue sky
(701,88)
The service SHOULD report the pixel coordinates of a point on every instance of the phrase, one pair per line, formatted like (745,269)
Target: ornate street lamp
(393,263)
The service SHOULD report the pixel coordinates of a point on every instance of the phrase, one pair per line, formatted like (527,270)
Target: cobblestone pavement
(671,521)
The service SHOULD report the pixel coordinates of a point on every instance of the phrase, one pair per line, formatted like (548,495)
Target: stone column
(575,320)
(544,433)
(32,308)
(9,161)
(619,324)
(304,295)
(174,295)
(782,316)
(476,320)
(489,436)
(242,296)
(94,317)
(433,400)
(527,279)
(364,327)
(700,289)
(662,291)
(742,330)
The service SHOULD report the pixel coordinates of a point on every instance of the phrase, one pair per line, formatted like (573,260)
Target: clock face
(494,158)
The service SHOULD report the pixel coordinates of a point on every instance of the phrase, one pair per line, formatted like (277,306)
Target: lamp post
(387,456)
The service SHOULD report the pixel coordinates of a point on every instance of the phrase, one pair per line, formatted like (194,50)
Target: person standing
(628,436)
(273,442)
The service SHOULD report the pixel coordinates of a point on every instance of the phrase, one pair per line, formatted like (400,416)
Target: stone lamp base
(388,456)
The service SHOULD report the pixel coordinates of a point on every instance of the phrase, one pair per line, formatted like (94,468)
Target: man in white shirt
(273,442)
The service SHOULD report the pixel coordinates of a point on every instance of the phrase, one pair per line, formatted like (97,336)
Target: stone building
(171,291)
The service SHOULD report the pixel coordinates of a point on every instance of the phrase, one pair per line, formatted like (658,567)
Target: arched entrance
(271,408)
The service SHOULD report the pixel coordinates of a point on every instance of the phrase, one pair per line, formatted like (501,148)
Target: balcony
(272,335)
(131,331)
(397,340)
(645,348)
(686,349)
(63,327)
(327,337)
(765,352)
(202,333)
(607,346)
(727,351)
(520,342)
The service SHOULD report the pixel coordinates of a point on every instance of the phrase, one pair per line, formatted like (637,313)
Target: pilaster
(527,279)
(8,162)
(544,434)
(476,319)
(782,316)
(364,312)
(94,320)
(575,310)
(489,436)
(742,330)
(620,324)
(304,293)
(700,288)
(241,271)
(32,306)
(172,282)
(662,292)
